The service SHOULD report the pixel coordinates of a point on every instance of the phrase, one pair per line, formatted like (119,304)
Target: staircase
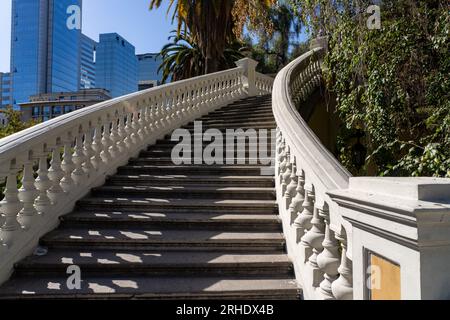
(160,231)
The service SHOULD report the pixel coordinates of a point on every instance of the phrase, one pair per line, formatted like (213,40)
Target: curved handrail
(332,221)
(85,114)
(305,174)
(295,129)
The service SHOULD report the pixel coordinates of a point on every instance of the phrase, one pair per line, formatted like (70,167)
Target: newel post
(400,237)
(319,42)
(249,66)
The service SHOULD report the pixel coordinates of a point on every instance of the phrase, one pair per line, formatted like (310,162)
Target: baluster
(67,165)
(97,146)
(328,260)
(312,240)
(303,221)
(88,166)
(55,174)
(10,207)
(296,207)
(191,102)
(196,101)
(78,157)
(286,177)
(342,288)
(27,195)
(43,184)
(158,112)
(122,134)
(106,142)
(135,129)
(282,160)
(114,139)
(164,111)
(278,152)
(292,186)
(129,130)
(145,130)
(202,97)
(179,108)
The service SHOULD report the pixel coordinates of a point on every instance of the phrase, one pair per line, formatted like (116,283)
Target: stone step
(193,192)
(249,105)
(168,161)
(189,180)
(231,117)
(247,153)
(178,205)
(156,230)
(198,169)
(239,114)
(226,121)
(201,137)
(223,130)
(203,221)
(156,263)
(236,125)
(153,238)
(179,288)
(245,144)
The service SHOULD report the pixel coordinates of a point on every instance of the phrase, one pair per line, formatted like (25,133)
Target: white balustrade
(48,167)
(334,223)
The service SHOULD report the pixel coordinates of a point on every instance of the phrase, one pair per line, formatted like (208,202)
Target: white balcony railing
(59,161)
(353,238)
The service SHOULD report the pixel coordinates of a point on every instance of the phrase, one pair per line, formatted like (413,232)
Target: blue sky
(146,30)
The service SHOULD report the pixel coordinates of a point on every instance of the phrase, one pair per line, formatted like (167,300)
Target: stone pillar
(319,42)
(400,237)
(249,66)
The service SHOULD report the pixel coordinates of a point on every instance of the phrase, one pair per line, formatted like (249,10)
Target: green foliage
(15,123)
(273,51)
(183,59)
(392,83)
(213,25)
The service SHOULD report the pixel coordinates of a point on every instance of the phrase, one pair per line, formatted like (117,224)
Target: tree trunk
(211,65)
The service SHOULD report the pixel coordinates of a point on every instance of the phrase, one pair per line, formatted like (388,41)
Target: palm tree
(182,58)
(211,23)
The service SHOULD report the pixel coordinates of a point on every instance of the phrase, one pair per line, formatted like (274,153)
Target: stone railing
(353,238)
(264,83)
(57,162)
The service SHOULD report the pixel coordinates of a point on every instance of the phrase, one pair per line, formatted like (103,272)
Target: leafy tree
(215,24)
(391,83)
(14,123)
(182,58)
(276,46)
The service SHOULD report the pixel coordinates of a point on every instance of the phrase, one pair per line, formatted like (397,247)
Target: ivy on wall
(391,83)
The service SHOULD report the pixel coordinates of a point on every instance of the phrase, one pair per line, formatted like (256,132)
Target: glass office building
(116,65)
(148,75)
(87,64)
(5,90)
(45,52)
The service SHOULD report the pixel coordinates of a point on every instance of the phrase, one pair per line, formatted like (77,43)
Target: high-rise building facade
(5,90)
(148,74)
(87,64)
(45,50)
(116,65)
